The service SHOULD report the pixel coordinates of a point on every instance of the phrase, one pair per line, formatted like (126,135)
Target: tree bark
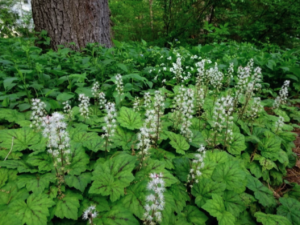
(78,21)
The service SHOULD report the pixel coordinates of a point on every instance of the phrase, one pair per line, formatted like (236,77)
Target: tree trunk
(78,21)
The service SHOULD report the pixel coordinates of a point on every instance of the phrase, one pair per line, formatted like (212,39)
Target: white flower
(102,100)
(283,94)
(84,105)
(169,58)
(155,201)
(95,89)
(90,213)
(38,112)
(136,104)
(279,123)
(119,83)
(110,121)
(197,165)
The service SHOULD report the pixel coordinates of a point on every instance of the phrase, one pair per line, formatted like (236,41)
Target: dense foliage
(181,137)
(194,22)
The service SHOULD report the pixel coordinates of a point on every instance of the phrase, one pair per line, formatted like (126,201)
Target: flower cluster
(279,123)
(95,89)
(197,165)
(110,121)
(38,112)
(178,71)
(67,107)
(58,138)
(84,105)
(202,75)
(184,103)
(119,83)
(283,94)
(253,109)
(90,213)
(136,104)
(223,119)
(144,143)
(215,77)
(155,202)
(102,100)
(147,100)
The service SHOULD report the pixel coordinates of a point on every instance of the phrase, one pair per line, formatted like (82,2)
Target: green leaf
(211,160)
(42,160)
(10,193)
(234,203)
(134,200)
(117,215)
(197,139)
(290,209)
(182,168)
(155,166)
(36,183)
(23,138)
(204,189)
(65,96)
(270,146)
(267,164)
(216,208)
(232,174)
(79,182)
(124,138)
(268,219)
(180,196)
(129,119)
(11,115)
(79,160)
(192,215)
(35,211)
(21,166)
(95,144)
(67,207)
(261,193)
(113,176)
(178,142)
(237,144)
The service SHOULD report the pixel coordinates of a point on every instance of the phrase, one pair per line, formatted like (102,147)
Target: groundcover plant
(192,146)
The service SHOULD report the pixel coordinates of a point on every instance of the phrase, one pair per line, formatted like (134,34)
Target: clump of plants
(200,150)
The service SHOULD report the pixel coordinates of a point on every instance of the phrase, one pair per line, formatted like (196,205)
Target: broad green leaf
(129,119)
(182,168)
(267,164)
(100,202)
(204,189)
(234,203)
(255,169)
(232,174)
(237,144)
(79,182)
(20,165)
(134,200)
(180,196)
(211,160)
(23,138)
(11,115)
(164,156)
(290,209)
(79,160)
(78,135)
(65,96)
(113,176)
(117,215)
(192,215)
(245,219)
(42,160)
(197,139)
(268,219)
(261,193)
(216,208)
(294,192)
(95,144)
(36,183)
(10,193)
(270,146)
(3,176)
(155,166)
(124,138)
(35,211)
(178,142)
(67,207)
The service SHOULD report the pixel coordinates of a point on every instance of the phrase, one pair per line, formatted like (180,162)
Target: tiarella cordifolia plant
(184,109)
(147,100)
(95,89)
(58,140)
(119,83)
(253,109)
(177,70)
(202,77)
(67,109)
(215,77)
(84,105)
(144,144)
(89,214)
(279,124)
(38,112)
(283,94)
(196,166)
(110,124)
(222,119)
(137,104)
(155,202)
(102,100)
